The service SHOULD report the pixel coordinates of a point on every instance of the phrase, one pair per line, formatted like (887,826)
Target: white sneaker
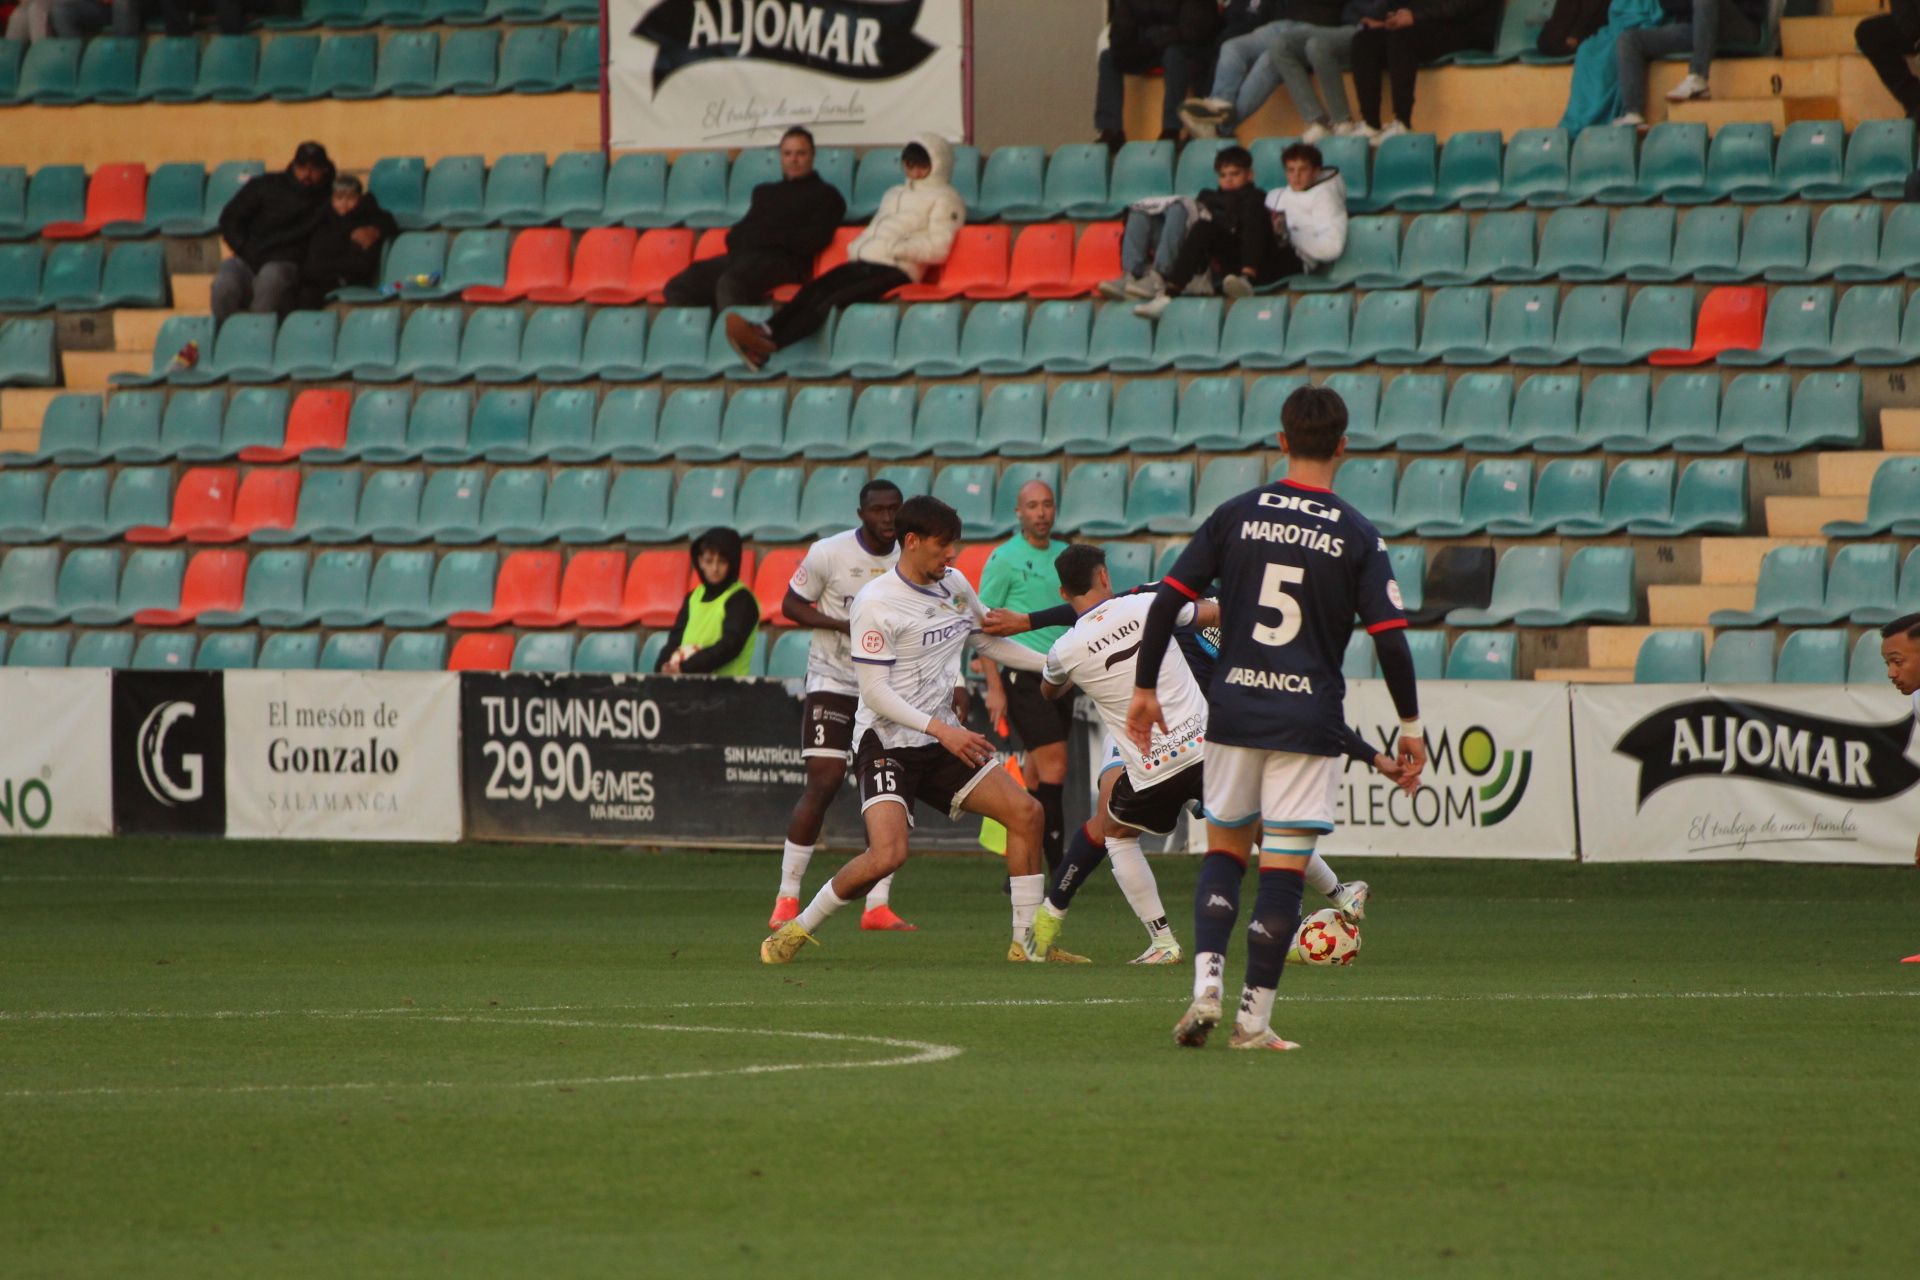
(1119,289)
(1349,129)
(1350,900)
(1690,88)
(1314,132)
(1150,285)
(1155,307)
(1393,129)
(1361,129)
(1237,286)
(1157,954)
(1630,120)
(1201,1017)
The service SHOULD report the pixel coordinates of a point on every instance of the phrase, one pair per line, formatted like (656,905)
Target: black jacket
(1243,216)
(1754,11)
(1477,21)
(271,218)
(1140,30)
(334,260)
(1238,17)
(1571,22)
(793,218)
(736,625)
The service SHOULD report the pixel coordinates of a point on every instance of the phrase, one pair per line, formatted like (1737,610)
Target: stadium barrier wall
(54,775)
(1781,773)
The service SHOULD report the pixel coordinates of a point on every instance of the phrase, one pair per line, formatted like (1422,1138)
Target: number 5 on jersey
(1273,595)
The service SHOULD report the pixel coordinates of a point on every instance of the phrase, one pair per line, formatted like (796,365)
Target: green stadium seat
(1673,165)
(576,507)
(1093,501)
(1260,419)
(552,652)
(1456,320)
(451,500)
(429,348)
(1846,234)
(514,511)
(1140,170)
(27,356)
(968,489)
(50,73)
(1602,162)
(769,504)
(1527,578)
(1056,339)
(396,595)
(469,63)
(260,425)
(754,425)
(1826,411)
(1012,420)
(530,62)
(1502,249)
(169,71)
(1641,245)
(109,71)
(40,648)
(696,190)
(1358,662)
(786,661)
(1161,495)
(27,578)
(413,255)
(832,496)
(1659,318)
(1013,179)
(1799,324)
(140,497)
(1813,657)
(552,347)
(704,498)
(1568,489)
(677,344)
(1671,657)
(399,183)
(1879,158)
(290,651)
(70,277)
(563,428)
(862,344)
(1613,416)
(135,276)
(1790,578)
(1121,341)
(1142,408)
(1523,319)
(1740,165)
(1860,588)
(376,429)
(883,423)
(1712,498)
(190,427)
(113,650)
(1810,157)
(819,422)
(927,343)
(1498,489)
(1077,418)
(1412,405)
(949,422)
(1468,173)
(1429,492)
(1866,666)
(69,435)
(56,193)
(417,651)
(232,651)
(1129,564)
(1373,251)
(89,581)
(1898,251)
(690,426)
(23,507)
(636,193)
(1479,406)
(1489,655)
(1893,496)
(349,651)
(1253,337)
(1319,328)
(1187,335)
(455,192)
(1403,171)
(1368,483)
(501,427)
(164,651)
(626,425)
(1209,418)
(1754,409)
(1599,587)
(286,68)
(992,341)
(1775,238)
(1866,326)
(1220,480)
(230,69)
(1075,186)
(131,430)
(613,653)
(20,274)
(752,167)
(476,260)
(1639,491)
(243,346)
(1594,318)
(327,510)
(1537,170)
(1434,252)
(1573,246)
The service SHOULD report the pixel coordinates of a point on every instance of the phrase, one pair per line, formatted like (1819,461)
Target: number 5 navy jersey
(1296,564)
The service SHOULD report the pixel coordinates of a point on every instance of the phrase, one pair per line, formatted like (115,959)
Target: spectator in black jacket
(1233,237)
(787,224)
(229,16)
(1178,36)
(1696,28)
(1417,32)
(268,225)
(346,248)
(1888,40)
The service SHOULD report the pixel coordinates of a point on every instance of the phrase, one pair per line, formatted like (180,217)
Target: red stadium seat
(528,586)
(770,583)
(599,262)
(712,243)
(538,260)
(658,256)
(116,193)
(1043,255)
(318,420)
(973,560)
(978,261)
(268,499)
(1095,258)
(834,255)
(1732,318)
(656,584)
(590,589)
(215,580)
(493,652)
(202,509)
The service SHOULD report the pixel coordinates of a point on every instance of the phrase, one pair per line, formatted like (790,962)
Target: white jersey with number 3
(831,575)
(1098,654)
(920,635)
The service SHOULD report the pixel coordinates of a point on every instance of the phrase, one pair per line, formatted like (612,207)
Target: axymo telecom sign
(736,73)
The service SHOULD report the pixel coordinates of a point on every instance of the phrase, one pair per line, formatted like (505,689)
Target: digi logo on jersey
(169,752)
(1715,737)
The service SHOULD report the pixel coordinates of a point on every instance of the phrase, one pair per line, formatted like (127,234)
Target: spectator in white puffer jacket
(913,229)
(1310,212)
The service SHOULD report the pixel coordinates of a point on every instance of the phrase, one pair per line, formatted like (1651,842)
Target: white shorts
(1283,788)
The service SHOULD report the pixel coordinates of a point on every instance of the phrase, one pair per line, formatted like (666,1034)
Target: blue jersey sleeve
(1379,602)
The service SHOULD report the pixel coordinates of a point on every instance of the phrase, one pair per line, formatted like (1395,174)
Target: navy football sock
(1083,858)
(1052,798)
(1216,901)
(1276,917)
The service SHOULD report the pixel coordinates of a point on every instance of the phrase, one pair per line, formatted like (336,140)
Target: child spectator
(1310,212)
(346,248)
(1232,238)
(713,635)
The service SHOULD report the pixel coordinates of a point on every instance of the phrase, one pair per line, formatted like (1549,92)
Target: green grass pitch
(283,1060)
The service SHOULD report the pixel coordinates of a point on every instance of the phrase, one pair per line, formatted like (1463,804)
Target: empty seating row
(28,357)
(82,276)
(298,68)
(351,15)
(1808,656)
(617,653)
(119,200)
(1797,588)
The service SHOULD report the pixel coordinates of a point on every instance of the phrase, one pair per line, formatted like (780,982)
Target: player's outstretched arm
(1009,654)
(806,614)
(1396,668)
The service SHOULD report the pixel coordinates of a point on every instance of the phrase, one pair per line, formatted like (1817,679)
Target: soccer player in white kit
(820,596)
(910,630)
(1296,564)
(1900,650)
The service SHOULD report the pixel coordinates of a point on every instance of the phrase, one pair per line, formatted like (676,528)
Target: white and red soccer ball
(1326,937)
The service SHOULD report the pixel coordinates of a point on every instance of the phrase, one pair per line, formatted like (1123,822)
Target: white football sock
(877,896)
(824,904)
(1207,968)
(1026,892)
(793,868)
(1320,877)
(1256,1008)
(1058,913)
(1135,878)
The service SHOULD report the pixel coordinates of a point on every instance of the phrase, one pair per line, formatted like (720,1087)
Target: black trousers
(1209,244)
(733,280)
(230,16)
(1887,48)
(1399,54)
(846,284)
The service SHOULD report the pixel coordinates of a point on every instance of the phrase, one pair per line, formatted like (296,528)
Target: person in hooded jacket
(1233,238)
(268,224)
(913,229)
(713,634)
(1311,210)
(346,248)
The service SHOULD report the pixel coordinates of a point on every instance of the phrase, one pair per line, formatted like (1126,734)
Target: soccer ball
(1326,937)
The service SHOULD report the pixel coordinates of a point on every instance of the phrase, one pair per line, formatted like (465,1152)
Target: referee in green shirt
(1020,576)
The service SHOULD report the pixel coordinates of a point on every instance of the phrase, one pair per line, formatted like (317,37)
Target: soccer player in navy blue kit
(1296,564)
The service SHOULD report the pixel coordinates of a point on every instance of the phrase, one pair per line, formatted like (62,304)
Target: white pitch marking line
(274,882)
(922,1052)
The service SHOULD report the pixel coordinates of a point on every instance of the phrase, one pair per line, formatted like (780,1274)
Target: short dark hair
(915,154)
(1076,567)
(799,131)
(347,184)
(1236,157)
(1304,151)
(1314,419)
(1907,624)
(872,487)
(926,516)
(311,154)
